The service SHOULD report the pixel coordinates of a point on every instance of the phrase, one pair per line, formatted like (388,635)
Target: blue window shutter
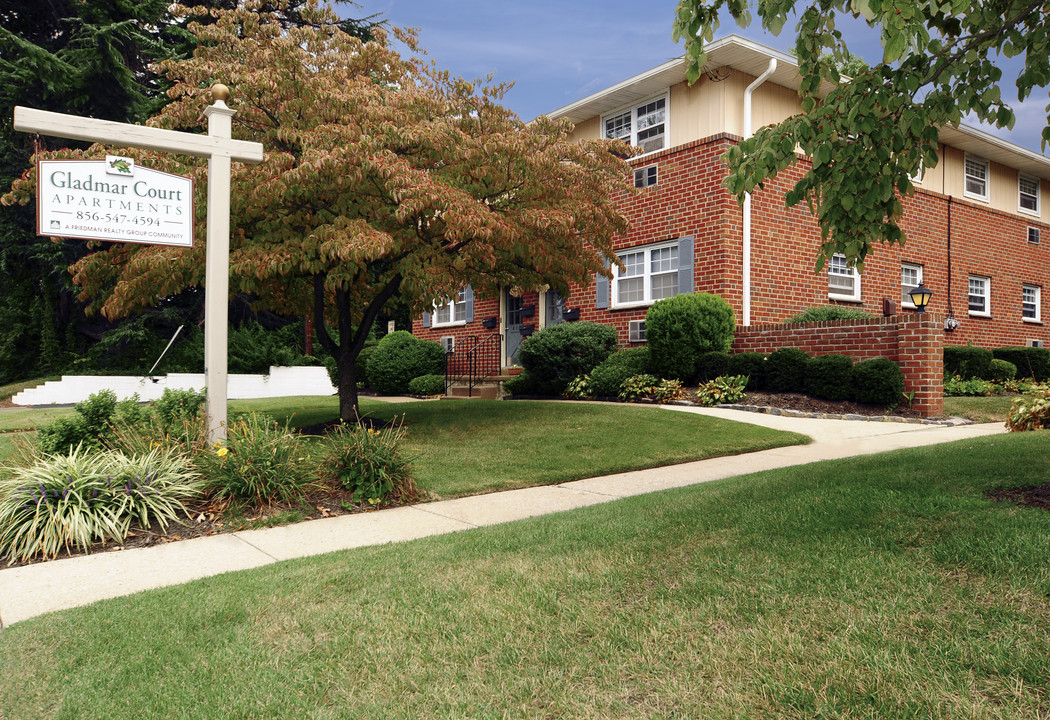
(468,298)
(426,319)
(685,266)
(601,290)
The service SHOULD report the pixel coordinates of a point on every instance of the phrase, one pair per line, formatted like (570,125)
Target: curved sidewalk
(36,589)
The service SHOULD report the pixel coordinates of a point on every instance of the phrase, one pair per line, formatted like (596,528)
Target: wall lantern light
(920,297)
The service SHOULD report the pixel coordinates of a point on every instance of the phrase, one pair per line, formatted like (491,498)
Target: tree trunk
(347,362)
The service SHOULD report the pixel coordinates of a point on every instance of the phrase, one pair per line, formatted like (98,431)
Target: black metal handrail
(478,361)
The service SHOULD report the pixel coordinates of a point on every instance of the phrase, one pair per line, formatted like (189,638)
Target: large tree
(384,177)
(941,61)
(83,57)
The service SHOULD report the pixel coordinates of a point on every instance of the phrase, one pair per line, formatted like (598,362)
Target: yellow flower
(221,452)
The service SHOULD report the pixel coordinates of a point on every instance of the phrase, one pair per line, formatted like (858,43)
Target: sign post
(220,150)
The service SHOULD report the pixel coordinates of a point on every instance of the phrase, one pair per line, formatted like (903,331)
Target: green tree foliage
(384,178)
(868,136)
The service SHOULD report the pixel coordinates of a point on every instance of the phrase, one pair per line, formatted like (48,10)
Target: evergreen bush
(1000,371)
(680,328)
(878,382)
(1031,362)
(827,313)
(830,377)
(967,361)
(606,379)
(427,385)
(751,365)
(558,353)
(786,370)
(399,357)
(711,365)
(520,384)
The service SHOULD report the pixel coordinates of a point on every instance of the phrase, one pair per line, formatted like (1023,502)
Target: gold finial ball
(220,92)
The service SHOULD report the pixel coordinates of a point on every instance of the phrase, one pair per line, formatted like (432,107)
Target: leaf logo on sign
(121,165)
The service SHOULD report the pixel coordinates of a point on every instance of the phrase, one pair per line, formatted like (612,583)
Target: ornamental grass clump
(371,463)
(75,500)
(260,463)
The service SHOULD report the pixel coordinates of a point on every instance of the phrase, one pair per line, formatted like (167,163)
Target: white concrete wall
(281,382)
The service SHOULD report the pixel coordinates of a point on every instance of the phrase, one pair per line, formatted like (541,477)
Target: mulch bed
(807,404)
(1037,496)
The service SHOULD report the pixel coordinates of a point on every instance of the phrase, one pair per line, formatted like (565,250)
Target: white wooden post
(220,150)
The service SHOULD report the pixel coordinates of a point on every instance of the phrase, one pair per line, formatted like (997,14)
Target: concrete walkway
(36,589)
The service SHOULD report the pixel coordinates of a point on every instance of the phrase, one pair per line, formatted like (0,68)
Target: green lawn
(980,409)
(885,587)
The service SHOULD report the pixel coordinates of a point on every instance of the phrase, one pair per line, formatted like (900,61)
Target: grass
(884,586)
(995,408)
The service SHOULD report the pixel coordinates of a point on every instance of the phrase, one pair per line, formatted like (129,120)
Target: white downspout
(747,197)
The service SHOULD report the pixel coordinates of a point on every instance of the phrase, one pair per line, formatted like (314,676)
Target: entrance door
(513,326)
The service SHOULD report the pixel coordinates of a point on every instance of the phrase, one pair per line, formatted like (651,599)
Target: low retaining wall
(913,341)
(281,382)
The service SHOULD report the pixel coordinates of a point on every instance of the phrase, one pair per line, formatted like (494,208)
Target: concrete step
(488,391)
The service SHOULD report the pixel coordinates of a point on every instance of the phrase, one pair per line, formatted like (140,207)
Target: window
(643,126)
(1028,195)
(917,177)
(650,274)
(1033,235)
(1033,343)
(911,278)
(452,313)
(1030,296)
(843,281)
(976,178)
(979,295)
(645,177)
(448,343)
(636,331)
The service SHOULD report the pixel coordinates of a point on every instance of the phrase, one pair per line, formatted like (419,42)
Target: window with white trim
(1028,195)
(1031,296)
(454,312)
(911,278)
(976,178)
(650,274)
(643,125)
(917,177)
(646,176)
(636,331)
(843,280)
(1033,235)
(979,296)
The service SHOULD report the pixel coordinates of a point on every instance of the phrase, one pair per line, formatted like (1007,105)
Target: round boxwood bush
(609,375)
(520,384)
(786,370)
(830,377)
(752,365)
(401,356)
(682,327)
(711,365)
(1000,371)
(878,382)
(427,385)
(558,353)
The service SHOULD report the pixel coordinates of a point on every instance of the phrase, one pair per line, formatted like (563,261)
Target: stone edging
(766,409)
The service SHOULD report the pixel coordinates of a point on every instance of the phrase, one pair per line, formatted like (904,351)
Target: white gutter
(747,198)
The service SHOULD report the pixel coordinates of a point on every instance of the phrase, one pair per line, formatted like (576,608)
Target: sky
(559,52)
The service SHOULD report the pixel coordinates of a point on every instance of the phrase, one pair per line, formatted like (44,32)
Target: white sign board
(113,199)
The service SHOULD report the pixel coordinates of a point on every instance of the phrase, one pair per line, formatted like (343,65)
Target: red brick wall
(915,342)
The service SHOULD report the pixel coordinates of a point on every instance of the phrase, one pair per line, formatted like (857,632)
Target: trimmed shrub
(712,365)
(1031,362)
(521,384)
(427,385)
(751,365)
(830,377)
(786,370)
(1000,371)
(606,379)
(878,382)
(827,313)
(967,361)
(401,356)
(86,428)
(558,353)
(682,327)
